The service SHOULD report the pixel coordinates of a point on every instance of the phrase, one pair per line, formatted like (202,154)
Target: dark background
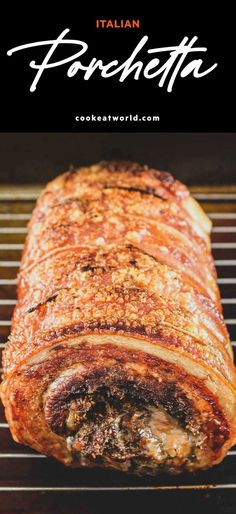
(195,158)
(204,104)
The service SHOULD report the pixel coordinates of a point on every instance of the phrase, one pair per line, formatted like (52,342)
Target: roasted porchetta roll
(118,355)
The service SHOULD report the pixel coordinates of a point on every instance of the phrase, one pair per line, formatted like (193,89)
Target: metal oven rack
(26,476)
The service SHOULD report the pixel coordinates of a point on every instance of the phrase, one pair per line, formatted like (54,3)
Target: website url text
(115,118)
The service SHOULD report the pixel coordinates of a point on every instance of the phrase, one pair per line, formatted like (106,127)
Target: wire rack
(22,470)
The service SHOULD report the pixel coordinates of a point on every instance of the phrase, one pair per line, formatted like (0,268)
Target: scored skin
(88,184)
(168,297)
(93,216)
(138,294)
(159,239)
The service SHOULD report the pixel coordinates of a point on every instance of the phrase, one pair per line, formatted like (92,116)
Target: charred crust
(118,166)
(147,191)
(50,299)
(88,267)
(92,268)
(136,169)
(139,250)
(98,327)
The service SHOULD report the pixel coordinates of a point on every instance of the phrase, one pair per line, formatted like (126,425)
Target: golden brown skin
(118,355)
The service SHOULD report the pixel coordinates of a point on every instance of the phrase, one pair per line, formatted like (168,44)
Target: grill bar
(117,488)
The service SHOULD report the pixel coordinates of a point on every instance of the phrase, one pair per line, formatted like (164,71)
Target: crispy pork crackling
(118,355)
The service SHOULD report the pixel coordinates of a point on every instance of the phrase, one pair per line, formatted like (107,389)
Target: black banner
(130,72)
